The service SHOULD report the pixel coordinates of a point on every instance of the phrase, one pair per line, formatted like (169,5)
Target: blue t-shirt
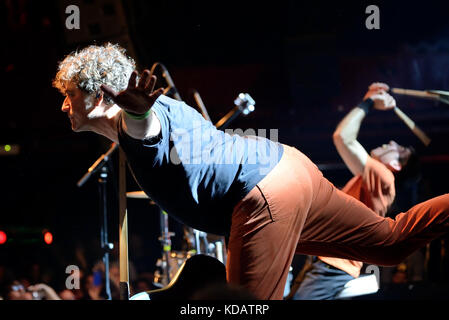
(195,172)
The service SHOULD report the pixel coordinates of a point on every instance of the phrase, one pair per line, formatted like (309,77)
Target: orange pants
(294,209)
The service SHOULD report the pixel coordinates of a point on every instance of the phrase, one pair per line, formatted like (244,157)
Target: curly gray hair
(93,66)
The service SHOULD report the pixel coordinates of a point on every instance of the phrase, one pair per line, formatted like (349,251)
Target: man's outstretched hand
(136,98)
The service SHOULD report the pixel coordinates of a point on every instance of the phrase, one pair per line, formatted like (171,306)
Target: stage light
(48,237)
(7,148)
(3,237)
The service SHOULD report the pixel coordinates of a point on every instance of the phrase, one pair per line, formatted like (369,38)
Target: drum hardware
(205,243)
(175,260)
(165,239)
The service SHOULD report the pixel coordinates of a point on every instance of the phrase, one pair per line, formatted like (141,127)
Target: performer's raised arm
(345,136)
(136,102)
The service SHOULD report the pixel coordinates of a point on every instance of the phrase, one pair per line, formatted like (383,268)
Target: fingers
(148,89)
(392,102)
(109,91)
(132,80)
(379,86)
(383,100)
(144,80)
(376,90)
(157,93)
(381,94)
(389,100)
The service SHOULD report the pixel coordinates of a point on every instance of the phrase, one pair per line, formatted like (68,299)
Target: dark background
(306,64)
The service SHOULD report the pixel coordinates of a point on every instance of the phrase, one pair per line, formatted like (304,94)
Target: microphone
(169,80)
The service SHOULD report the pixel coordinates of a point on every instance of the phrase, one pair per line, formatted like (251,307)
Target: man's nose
(65,106)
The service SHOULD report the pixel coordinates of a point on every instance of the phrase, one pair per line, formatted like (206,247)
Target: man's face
(392,155)
(77,104)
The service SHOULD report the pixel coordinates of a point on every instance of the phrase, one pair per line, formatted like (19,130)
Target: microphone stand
(101,164)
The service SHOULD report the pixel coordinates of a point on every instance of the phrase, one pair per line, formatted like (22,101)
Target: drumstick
(415,93)
(439,95)
(411,124)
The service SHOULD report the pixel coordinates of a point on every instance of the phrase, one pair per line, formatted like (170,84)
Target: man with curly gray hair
(269,214)
(94,66)
(80,76)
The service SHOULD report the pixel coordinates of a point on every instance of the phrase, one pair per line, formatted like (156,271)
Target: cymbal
(138,195)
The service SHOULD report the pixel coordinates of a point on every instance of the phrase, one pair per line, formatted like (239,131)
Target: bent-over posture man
(269,198)
(373,184)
